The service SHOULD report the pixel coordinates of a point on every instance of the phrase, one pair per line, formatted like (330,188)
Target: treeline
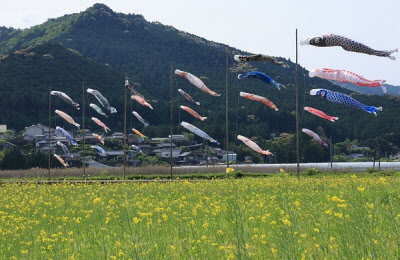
(144,51)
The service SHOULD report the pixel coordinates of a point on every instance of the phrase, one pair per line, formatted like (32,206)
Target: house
(7,145)
(3,128)
(164,150)
(188,158)
(232,157)
(248,159)
(39,132)
(180,140)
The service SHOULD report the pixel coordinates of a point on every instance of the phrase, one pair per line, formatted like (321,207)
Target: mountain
(391,90)
(98,46)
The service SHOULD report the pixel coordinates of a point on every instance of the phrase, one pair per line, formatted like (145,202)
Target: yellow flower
(172,247)
(297,203)
(273,250)
(286,222)
(370,205)
(96,200)
(317,245)
(136,220)
(316,230)
(360,189)
(281,170)
(228,170)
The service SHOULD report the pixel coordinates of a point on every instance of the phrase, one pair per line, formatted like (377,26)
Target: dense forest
(98,47)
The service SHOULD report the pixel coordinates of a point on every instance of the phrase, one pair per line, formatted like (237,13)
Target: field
(332,217)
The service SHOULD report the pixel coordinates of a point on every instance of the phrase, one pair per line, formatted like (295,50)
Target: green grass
(342,216)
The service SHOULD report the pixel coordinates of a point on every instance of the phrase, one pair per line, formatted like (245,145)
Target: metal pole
(83,129)
(297,115)
(48,134)
(170,114)
(125,129)
(226,112)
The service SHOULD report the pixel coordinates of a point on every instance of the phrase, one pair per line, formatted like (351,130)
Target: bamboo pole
(297,115)
(171,115)
(83,130)
(125,129)
(48,134)
(226,112)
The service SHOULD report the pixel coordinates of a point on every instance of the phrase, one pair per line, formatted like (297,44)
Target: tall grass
(345,217)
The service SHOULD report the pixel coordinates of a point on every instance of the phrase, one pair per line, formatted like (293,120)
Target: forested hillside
(98,46)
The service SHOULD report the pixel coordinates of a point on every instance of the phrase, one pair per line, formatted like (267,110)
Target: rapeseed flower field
(346,217)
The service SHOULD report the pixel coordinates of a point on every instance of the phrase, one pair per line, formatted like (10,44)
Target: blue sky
(257,26)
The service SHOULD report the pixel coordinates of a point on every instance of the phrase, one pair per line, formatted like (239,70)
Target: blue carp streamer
(261,76)
(343,99)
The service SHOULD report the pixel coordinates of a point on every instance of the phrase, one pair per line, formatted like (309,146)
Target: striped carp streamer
(320,114)
(68,136)
(98,109)
(196,82)
(188,97)
(261,99)
(193,113)
(100,150)
(260,57)
(198,132)
(261,76)
(67,118)
(346,76)
(64,148)
(61,160)
(101,124)
(98,137)
(347,44)
(253,145)
(138,133)
(314,136)
(343,99)
(141,120)
(102,100)
(66,98)
(141,101)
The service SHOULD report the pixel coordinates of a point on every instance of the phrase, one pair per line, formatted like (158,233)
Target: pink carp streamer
(193,113)
(67,118)
(320,114)
(97,121)
(253,145)
(141,101)
(347,77)
(61,160)
(196,82)
(261,99)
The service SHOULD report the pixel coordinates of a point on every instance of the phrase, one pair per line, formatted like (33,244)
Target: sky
(257,26)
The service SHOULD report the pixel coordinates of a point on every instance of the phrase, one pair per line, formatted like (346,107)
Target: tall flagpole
(49,129)
(170,114)
(83,129)
(226,112)
(297,115)
(125,127)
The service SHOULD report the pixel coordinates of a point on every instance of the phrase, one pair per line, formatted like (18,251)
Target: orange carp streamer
(193,113)
(261,99)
